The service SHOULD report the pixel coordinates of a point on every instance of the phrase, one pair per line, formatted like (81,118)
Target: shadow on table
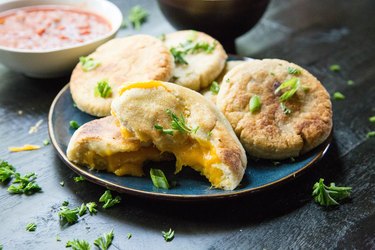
(225,214)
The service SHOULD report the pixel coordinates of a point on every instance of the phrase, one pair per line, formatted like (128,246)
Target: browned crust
(270,133)
(134,58)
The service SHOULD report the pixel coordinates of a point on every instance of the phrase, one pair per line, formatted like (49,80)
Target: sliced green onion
(255,103)
(158,178)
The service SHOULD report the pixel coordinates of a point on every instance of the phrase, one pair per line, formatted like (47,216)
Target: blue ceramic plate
(189,184)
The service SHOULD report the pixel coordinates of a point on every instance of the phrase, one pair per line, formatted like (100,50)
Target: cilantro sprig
(25,184)
(6,171)
(21,184)
(79,178)
(329,195)
(78,244)
(70,215)
(137,16)
(88,63)
(177,124)
(158,178)
(191,47)
(168,235)
(108,200)
(105,241)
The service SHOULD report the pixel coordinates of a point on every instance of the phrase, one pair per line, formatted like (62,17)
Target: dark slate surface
(312,33)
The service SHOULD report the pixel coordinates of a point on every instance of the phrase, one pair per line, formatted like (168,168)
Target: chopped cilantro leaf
(105,241)
(329,195)
(78,245)
(137,16)
(6,171)
(372,119)
(129,236)
(25,184)
(108,200)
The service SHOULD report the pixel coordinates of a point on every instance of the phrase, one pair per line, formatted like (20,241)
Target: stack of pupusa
(212,149)
(143,112)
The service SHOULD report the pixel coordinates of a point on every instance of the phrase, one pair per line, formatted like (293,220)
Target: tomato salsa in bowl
(45,38)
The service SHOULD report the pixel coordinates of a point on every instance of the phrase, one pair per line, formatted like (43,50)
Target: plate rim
(172,197)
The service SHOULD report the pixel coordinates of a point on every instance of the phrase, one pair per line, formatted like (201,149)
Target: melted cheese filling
(122,163)
(198,154)
(141,85)
(201,156)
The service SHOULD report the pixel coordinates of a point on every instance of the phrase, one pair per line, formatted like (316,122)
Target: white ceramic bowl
(58,62)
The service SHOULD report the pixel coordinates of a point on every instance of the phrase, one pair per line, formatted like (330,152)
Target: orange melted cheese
(122,163)
(199,154)
(141,85)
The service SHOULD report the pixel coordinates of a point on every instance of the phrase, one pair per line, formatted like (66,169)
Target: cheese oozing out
(194,152)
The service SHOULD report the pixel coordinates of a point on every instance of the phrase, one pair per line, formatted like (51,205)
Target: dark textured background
(312,33)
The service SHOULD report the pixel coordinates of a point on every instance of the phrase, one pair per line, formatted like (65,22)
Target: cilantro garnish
(105,241)
(31,227)
(338,96)
(129,236)
(169,235)
(137,16)
(79,178)
(371,134)
(103,89)
(25,184)
(372,119)
(82,210)
(74,124)
(78,245)
(329,195)
(178,56)
(294,71)
(91,206)
(108,200)
(292,85)
(88,64)
(6,171)
(255,103)
(215,88)
(158,178)
(191,47)
(68,215)
(350,82)
(177,124)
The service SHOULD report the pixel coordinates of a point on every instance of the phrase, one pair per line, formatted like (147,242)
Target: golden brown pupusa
(203,66)
(99,144)
(210,147)
(133,58)
(271,132)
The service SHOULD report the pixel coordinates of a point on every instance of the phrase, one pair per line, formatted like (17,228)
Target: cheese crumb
(26,147)
(35,128)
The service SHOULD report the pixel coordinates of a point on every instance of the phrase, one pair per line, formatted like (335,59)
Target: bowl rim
(28,3)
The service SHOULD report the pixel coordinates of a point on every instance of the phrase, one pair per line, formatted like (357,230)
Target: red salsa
(47,27)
